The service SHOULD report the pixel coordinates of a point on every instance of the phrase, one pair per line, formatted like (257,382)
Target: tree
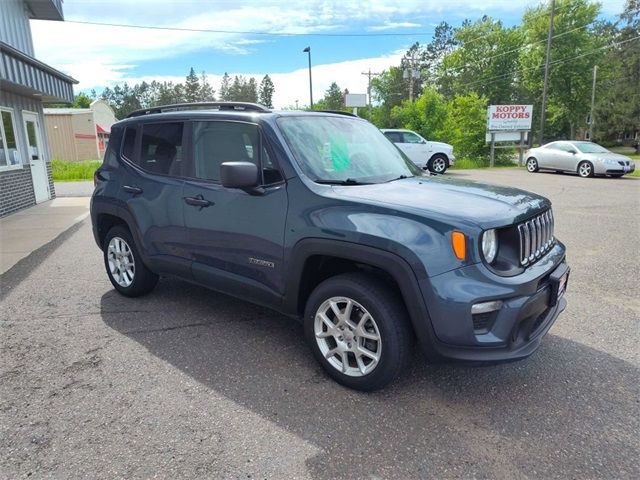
(332,100)
(206,93)
(192,87)
(484,61)
(426,115)
(618,89)
(82,100)
(575,50)
(265,93)
(225,88)
(465,126)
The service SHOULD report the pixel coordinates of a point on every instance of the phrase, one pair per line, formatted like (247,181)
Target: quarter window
(9,155)
(129,143)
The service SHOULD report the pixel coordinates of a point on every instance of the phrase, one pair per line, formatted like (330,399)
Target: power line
(241,32)
(522,47)
(491,80)
(277,34)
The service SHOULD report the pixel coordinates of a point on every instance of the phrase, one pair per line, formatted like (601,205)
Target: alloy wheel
(532,165)
(122,266)
(585,169)
(348,336)
(439,165)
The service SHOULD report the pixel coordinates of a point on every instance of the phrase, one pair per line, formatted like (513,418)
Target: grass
(467,163)
(65,171)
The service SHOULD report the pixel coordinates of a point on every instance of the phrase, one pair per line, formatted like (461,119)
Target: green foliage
(618,93)
(82,100)
(425,116)
(333,99)
(465,126)
(575,50)
(66,171)
(265,92)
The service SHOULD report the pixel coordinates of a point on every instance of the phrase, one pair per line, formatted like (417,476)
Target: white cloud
(394,25)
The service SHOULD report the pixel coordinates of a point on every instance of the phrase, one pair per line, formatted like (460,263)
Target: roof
(66,111)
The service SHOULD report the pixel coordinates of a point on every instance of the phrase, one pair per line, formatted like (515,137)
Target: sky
(254,38)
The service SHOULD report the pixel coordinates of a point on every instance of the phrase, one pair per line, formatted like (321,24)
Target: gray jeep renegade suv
(317,215)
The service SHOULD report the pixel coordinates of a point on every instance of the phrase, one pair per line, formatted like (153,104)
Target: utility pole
(369,75)
(411,73)
(593,102)
(546,73)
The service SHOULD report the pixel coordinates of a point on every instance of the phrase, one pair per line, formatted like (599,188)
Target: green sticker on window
(340,154)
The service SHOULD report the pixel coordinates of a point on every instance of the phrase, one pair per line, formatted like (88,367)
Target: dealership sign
(509,117)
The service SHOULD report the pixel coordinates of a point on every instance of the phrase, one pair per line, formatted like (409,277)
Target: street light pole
(308,51)
(593,102)
(546,72)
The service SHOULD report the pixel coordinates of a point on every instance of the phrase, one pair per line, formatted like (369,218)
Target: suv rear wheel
(358,330)
(125,269)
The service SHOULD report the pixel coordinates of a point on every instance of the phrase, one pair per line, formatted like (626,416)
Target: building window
(9,155)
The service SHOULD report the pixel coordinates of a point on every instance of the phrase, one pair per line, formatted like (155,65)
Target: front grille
(536,237)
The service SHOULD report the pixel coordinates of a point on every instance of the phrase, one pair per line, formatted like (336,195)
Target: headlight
(489,245)
(609,161)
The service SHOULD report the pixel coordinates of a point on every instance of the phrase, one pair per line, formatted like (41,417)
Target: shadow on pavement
(568,411)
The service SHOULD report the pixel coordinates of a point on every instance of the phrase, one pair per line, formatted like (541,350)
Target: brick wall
(52,188)
(16,190)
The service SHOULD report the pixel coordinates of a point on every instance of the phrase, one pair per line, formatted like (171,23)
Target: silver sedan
(584,158)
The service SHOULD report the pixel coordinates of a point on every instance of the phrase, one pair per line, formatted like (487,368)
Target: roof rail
(239,106)
(337,112)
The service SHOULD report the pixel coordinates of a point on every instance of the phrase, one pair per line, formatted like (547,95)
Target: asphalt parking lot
(189,383)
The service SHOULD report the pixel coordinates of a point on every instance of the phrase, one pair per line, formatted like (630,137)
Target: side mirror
(573,152)
(242,175)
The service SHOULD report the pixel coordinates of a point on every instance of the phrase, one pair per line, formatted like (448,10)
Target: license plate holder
(559,279)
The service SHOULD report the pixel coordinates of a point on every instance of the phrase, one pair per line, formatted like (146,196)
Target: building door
(36,157)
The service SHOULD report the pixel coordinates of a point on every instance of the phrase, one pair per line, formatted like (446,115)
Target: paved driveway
(188,383)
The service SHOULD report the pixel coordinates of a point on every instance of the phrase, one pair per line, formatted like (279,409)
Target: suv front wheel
(125,269)
(358,330)
(438,164)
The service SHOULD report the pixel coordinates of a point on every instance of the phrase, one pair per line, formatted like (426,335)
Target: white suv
(433,156)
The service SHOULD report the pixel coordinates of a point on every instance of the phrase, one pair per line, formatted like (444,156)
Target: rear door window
(161,148)
(395,137)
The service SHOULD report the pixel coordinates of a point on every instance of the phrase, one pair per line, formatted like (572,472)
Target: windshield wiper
(348,181)
(401,177)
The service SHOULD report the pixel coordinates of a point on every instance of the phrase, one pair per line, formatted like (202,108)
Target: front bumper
(528,310)
(614,168)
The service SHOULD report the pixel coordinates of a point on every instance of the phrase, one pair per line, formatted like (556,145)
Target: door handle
(130,189)
(198,201)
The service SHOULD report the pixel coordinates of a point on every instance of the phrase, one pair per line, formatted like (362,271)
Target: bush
(66,171)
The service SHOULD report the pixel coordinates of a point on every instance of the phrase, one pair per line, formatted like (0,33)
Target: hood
(442,145)
(611,156)
(482,204)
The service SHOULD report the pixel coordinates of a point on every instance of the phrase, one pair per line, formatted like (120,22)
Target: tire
(438,164)
(388,321)
(585,169)
(125,269)
(532,165)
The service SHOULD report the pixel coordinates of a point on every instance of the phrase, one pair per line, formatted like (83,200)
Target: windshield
(334,150)
(589,147)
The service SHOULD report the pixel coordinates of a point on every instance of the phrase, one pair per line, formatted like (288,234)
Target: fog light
(486,307)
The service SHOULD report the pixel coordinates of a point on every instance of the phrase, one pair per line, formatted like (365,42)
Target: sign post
(508,123)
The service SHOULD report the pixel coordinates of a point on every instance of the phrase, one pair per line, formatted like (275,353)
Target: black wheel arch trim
(101,207)
(394,265)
